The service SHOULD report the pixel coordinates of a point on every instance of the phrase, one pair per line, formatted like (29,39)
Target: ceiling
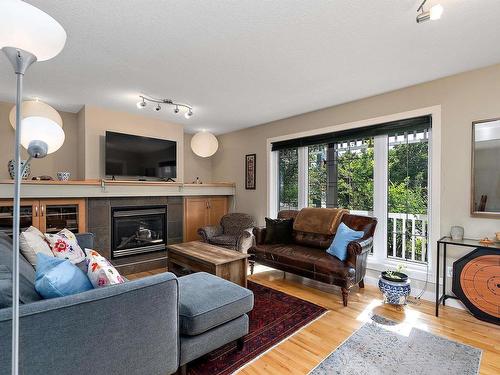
(247,62)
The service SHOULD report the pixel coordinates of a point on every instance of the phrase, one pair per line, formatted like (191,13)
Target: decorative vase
(395,292)
(63,176)
(457,233)
(12,169)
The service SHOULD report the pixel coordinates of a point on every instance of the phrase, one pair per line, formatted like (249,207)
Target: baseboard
(427,295)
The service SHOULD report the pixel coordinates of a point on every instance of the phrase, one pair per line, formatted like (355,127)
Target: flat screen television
(138,157)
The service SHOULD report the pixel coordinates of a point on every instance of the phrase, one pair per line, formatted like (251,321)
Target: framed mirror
(485,197)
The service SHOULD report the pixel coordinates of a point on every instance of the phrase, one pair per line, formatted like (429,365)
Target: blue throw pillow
(342,238)
(57,277)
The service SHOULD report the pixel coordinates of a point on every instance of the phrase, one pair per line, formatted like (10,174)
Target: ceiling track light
(178,106)
(433,14)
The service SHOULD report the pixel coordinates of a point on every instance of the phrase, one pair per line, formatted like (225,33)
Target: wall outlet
(449,271)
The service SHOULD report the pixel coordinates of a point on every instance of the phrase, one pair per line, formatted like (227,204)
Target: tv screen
(141,157)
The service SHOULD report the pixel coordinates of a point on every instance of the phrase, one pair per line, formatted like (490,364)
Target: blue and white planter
(395,292)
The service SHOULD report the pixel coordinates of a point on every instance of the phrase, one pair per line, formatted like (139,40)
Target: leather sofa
(313,232)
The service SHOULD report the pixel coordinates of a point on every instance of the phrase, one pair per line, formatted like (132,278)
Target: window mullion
(380,181)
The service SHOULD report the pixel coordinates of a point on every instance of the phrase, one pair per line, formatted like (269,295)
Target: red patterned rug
(275,316)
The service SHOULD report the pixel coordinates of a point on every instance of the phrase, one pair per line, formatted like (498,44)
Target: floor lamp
(27,34)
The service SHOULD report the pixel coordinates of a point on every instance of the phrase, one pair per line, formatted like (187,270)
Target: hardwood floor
(304,350)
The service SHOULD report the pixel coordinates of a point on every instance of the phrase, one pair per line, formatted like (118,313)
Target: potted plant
(395,286)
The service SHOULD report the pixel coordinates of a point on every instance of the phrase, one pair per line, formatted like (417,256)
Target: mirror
(485,199)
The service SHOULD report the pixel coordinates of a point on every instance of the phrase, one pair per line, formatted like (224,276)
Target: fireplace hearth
(137,230)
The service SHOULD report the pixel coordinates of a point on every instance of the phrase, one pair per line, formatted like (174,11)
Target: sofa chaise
(155,325)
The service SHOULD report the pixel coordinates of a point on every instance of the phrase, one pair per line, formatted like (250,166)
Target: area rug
(275,316)
(376,350)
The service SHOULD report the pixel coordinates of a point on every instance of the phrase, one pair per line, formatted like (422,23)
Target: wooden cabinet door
(57,214)
(195,216)
(29,215)
(217,207)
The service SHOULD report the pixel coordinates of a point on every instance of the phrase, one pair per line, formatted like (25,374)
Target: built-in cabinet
(48,215)
(202,211)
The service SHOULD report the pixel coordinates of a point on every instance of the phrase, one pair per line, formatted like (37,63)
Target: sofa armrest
(100,331)
(85,240)
(245,241)
(209,231)
(359,247)
(259,234)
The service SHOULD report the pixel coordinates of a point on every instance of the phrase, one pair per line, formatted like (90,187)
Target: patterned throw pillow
(65,246)
(100,271)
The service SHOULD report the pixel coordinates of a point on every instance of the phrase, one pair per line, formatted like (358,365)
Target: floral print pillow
(65,246)
(100,271)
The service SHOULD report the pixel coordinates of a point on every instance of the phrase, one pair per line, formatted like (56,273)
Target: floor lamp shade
(204,144)
(41,123)
(25,27)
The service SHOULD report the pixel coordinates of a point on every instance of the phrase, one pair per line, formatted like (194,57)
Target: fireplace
(137,230)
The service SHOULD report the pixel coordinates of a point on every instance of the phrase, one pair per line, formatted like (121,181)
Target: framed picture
(250,165)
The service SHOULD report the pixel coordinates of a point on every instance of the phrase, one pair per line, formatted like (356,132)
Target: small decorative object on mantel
(42,178)
(63,176)
(395,286)
(197,181)
(486,241)
(12,169)
(250,169)
(497,235)
(457,233)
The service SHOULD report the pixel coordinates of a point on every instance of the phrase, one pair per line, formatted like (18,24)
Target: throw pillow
(100,271)
(65,246)
(278,230)
(344,235)
(58,278)
(32,242)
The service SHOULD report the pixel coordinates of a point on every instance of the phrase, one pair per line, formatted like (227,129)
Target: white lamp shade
(204,144)
(41,122)
(28,28)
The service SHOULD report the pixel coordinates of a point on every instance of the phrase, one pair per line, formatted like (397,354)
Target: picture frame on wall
(250,166)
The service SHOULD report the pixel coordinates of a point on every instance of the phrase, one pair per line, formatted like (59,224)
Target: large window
(384,175)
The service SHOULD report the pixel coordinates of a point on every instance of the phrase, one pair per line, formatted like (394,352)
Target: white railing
(417,240)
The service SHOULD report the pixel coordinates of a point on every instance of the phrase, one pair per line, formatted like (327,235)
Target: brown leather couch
(306,255)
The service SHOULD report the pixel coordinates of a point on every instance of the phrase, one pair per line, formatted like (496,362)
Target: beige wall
(98,120)
(463,98)
(195,166)
(65,159)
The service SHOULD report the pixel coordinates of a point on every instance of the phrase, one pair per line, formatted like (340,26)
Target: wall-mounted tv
(139,157)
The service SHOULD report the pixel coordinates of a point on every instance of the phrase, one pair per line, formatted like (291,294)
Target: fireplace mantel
(109,188)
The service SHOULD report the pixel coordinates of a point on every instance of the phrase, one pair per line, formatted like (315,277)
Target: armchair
(233,232)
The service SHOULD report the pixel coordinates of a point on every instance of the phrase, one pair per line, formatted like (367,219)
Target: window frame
(378,261)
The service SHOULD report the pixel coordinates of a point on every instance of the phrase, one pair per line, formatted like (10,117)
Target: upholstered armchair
(233,232)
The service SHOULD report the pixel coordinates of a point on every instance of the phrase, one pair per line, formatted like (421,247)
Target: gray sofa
(149,326)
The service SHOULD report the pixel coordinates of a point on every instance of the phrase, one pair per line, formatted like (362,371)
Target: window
(317,175)
(384,175)
(288,179)
(408,160)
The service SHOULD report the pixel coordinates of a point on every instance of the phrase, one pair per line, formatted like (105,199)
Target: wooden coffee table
(198,256)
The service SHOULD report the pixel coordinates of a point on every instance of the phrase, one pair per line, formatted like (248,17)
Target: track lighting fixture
(434,13)
(178,106)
